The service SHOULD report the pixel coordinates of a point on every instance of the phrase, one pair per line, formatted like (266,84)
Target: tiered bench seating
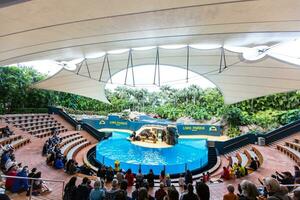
(66,148)
(291,149)
(243,156)
(73,151)
(39,125)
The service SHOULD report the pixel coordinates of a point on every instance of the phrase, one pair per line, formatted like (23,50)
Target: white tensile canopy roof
(68,30)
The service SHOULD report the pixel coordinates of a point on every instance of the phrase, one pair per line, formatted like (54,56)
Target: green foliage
(233,132)
(268,119)
(236,117)
(289,116)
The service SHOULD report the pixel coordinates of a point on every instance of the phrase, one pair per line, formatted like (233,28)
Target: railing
(282,132)
(54,184)
(88,128)
(222,146)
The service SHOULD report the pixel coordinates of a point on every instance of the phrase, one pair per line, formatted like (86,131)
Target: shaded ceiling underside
(67,30)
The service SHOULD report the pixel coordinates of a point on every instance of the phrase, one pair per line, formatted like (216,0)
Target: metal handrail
(32,179)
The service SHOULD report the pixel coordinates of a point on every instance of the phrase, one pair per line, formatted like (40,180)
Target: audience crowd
(271,188)
(278,186)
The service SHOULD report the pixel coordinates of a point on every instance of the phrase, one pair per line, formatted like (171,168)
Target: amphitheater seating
(19,143)
(243,156)
(66,148)
(73,151)
(291,149)
(39,125)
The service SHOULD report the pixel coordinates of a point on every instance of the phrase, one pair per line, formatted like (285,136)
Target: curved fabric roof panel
(238,79)
(70,82)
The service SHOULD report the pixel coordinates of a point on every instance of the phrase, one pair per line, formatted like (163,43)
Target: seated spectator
(70,189)
(248,191)
(135,193)
(84,169)
(181,180)
(206,177)
(274,190)
(129,177)
(230,195)
(150,178)
(202,191)
(253,165)
(297,172)
(73,168)
(139,177)
(39,186)
(225,174)
(58,163)
(257,162)
(83,190)
(10,181)
(188,178)
(7,132)
(50,158)
(190,195)
(111,194)
(45,148)
(160,193)
(97,193)
(20,185)
(243,170)
(285,178)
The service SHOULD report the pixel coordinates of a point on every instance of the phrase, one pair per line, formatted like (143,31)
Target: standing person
(230,195)
(172,194)
(111,194)
(139,177)
(162,177)
(83,190)
(160,193)
(70,189)
(97,193)
(190,195)
(181,181)
(202,191)
(188,178)
(129,177)
(135,193)
(101,172)
(150,178)
(120,176)
(109,174)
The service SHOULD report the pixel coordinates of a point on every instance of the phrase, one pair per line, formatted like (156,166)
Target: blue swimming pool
(188,153)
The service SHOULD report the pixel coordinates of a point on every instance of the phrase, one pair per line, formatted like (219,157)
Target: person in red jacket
(225,174)
(10,181)
(129,177)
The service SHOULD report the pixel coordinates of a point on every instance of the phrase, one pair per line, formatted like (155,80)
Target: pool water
(187,154)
